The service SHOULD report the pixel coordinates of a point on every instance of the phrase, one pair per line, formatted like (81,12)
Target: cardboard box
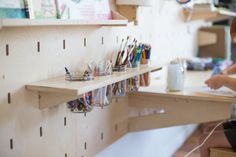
(219,47)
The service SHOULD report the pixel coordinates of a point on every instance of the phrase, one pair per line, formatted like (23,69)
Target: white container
(135,2)
(175,77)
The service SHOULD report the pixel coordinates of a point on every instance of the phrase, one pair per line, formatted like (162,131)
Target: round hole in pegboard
(3,77)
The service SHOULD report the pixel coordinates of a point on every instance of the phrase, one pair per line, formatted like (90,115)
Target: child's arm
(219,81)
(230,70)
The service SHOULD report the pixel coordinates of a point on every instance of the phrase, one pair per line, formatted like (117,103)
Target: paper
(90,9)
(225,92)
(42,9)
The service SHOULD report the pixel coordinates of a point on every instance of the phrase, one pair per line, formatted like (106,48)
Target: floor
(191,143)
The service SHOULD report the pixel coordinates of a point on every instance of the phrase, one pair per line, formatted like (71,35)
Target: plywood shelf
(58,90)
(118,20)
(203,12)
(135,2)
(56,22)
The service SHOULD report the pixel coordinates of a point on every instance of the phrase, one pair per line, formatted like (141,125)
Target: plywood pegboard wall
(33,54)
(30,54)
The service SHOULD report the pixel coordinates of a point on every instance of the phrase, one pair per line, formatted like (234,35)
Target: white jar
(175,77)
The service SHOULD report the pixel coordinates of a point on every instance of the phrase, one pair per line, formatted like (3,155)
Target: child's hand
(216,82)
(224,72)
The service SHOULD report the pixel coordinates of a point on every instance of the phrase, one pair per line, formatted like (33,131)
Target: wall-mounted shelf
(135,2)
(129,8)
(117,20)
(56,91)
(203,12)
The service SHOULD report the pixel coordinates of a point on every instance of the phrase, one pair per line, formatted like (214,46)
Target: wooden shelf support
(129,8)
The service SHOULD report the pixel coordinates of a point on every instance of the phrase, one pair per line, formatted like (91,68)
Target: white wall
(154,143)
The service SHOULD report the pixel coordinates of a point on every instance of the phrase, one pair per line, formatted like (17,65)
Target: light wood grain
(178,108)
(202,12)
(129,11)
(71,89)
(206,38)
(118,20)
(176,111)
(222,152)
(135,2)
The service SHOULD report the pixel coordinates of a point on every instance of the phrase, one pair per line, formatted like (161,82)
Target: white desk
(177,108)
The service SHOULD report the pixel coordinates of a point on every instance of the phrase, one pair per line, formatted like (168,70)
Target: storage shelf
(58,90)
(135,2)
(57,22)
(118,20)
(204,12)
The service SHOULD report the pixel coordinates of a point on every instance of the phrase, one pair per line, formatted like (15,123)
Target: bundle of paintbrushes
(130,53)
(123,54)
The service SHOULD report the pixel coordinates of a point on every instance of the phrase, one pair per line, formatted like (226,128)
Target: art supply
(123,51)
(130,50)
(119,89)
(224,92)
(119,52)
(81,105)
(78,76)
(102,96)
(145,79)
(68,74)
(102,68)
(132,54)
(140,54)
(133,84)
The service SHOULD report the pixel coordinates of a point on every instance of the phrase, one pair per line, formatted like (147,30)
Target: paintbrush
(118,55)
(123,51)
(129,52)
